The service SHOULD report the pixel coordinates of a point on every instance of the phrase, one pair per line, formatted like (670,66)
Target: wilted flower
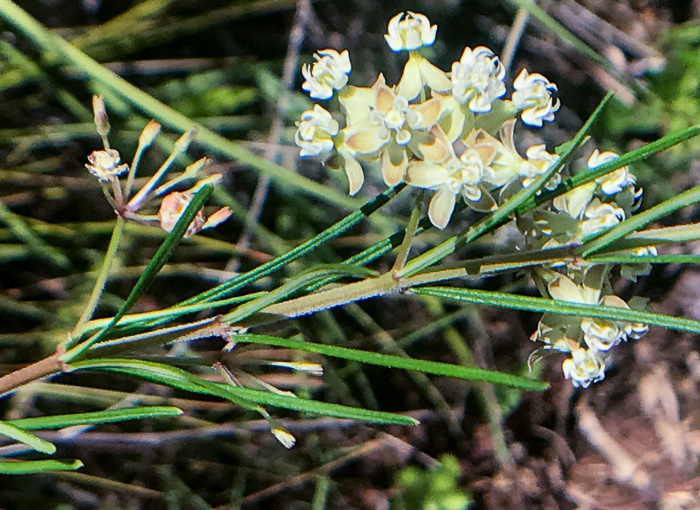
(106,165)
(315,132)
(410,33)
(175,203)
(329,72)
(533,97)
(477,79)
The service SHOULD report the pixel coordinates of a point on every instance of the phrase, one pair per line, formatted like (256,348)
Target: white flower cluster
(587,210)
(449,132)
(452,132)
(587,341)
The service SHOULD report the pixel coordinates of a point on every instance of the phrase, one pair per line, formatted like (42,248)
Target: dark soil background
(628,442)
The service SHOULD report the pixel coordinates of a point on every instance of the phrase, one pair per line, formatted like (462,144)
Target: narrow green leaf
(322,408)
(386,360)
(651,259)
(537,304)
(248,398)
(108,416)
(14,432)
(27,467)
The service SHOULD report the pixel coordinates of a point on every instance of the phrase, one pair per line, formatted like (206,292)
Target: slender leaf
(108,416)
(304,280)
(18,434)
(248,398)
(537,304)
(322,408)
(26,467)
(386,360)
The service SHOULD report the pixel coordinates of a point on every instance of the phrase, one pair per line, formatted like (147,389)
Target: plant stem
(402,254)
(34,372)
(101,278)
(353,292)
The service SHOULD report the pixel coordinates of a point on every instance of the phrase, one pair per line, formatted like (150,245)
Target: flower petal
(394,163)
(422,174)
(441,207)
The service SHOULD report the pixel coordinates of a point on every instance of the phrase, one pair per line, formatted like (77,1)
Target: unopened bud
(184,141)
(149,133)
(101,119)
(283,436)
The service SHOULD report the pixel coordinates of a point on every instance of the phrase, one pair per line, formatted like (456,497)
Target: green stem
(99,285)
(409,233)
(353,292)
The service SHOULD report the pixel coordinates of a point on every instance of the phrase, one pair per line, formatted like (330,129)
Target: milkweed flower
(588,340)
(617,180)
(533,98)
(315,132)
(106,165)
(600,216)
(328,73)
(584,367)
(452,176)
(387,127)
(477,79)
(410,33)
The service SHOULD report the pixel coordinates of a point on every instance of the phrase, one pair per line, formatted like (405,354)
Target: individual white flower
(646,251)
(533,97)
(602,334)
(388,127)
(106,164)
(584,367)
(477,79)
(600,216)
(538,162)
(636,330)
(615,181)
(315,132)
(329,71)
(574,202)
(410,33)
(453,176)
